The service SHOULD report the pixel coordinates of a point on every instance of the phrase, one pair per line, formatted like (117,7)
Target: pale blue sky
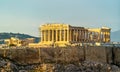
(25,16)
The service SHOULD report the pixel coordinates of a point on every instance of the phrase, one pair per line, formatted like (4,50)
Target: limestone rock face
(86,66)
(7,66)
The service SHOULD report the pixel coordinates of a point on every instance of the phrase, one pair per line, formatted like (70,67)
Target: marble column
(53,35)
(64,35)
(56,35)
(70,35)
(60,35)
(67,35)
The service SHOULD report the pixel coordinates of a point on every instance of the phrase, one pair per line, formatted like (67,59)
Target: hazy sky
(25,16)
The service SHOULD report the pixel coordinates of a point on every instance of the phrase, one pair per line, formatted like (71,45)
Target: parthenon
(64,34)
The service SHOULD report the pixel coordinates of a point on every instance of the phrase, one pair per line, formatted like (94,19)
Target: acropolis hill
(62,47)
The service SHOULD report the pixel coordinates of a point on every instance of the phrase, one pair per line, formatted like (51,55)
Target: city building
(54,34)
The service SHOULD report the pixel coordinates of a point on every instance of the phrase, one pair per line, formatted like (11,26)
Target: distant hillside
(115,36)
(18,35)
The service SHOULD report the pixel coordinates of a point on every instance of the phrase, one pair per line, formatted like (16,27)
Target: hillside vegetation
(18,35)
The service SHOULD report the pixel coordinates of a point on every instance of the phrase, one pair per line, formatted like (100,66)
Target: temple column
(70,35)
(109,36)
(64,35)
(98,36)
(41,35)
(67,35)
(48,33)
(104,37)
(79,35)
(60,35)
(53,35)
(82,35)
(56,35)
(85,35)
(44,35)
(73,35)
(76,34)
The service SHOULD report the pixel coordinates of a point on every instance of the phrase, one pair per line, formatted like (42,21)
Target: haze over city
(25,16)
